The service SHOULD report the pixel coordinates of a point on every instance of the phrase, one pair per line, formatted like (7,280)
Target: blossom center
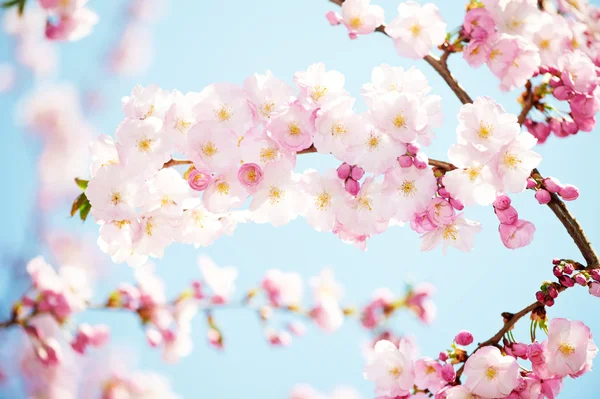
(268,154)
(149,113)
(491,373)
(485,130)
(338,129)
(473,173)
(294,129)
(399,121)
(396,371)
(430,370)
(251,175)
(223,113)
(149,227)
(408,188)
(166,201)
(209,149)
(450,233)
(323,200)
(198,218)
(511,160)
(267,108)
(223,188)
(355,22)
(115,198)
(545,44)
(121,223)
(566,348)
(415,30)
(318,92)
(495,53)
(275,194)
(182,125)
(373,142)
(145,145)
(365,203)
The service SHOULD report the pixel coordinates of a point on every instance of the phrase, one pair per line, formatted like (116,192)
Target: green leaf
(78,203)
(85,210)
(21,6)
(10,3)
(81,183)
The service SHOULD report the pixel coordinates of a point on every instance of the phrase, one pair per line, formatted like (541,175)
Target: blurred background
(188,45)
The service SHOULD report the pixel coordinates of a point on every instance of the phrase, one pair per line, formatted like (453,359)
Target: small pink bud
(552,292)
(595,274)
(333,18)
(343,171)
(405,161)
(502,202)
(543,69)
(352,186)
(448,372)
(519,350)
(566,281)
(421,161)
(456,204)
(357,173)
(595,289)
(580,279)
(443,192)
(562,93)
(352,35)
(552,184)
(568,268)
(464,338)
(557,271)
(556,261)
(250,174)
(197,288)
(569,192)
(413,148)
(549,302)
(540,296)
(543,196)
(443,356)
(555,82)
(508,215)
(569,127)
(199,179)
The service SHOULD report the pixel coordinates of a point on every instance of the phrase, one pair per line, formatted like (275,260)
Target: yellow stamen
(224,113)
(408,188)
(399,121)
(495,52)
(355,23)
(566,348)
(365,203)
(223,188)
(323,200)
(145,145)
(268,154)
(545,44)
(149,113)
(450,233)
(485,130)
(373,142)
(115,199)
(396,372)
(267,108)
(251,175)
(294,129)
(338,129)
(166,201)
(473,172)
(318,92)
(491,373)
(209,149)
(275,195)
(182,125)
(430,370)
(511,160)
(415,30)
(149,226)
(121,223)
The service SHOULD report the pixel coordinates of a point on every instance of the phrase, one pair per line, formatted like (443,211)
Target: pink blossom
(419,301)
(569,192)
(595,289)
(440,212)
(428,374)
(502,202)
(578,72)
(464,338)
(516,235)
(459,234)
(283,289)
(360,17)
(490,374)
(250,174)
(479,24)
(72,27)
(293,128)
(570,347)
(391,368)
(199,180)
(221,280)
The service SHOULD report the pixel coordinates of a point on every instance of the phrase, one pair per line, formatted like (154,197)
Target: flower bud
(595,289)
(250,174)
(333,18)
(552,184)
(580,279)
(343,171)
(540,296)
(352,186)
(502,202)
(421,161)
(448,372)
(568,268)
(595,274)
(557,271)
(464,338)
(543,196)
(357,173)
(552,292)
(549,302)
(443,356)
(443,192)
(405,161)
(566,281)
(456,204)
(412,148)
(507,216)
(199,179)
(569,192)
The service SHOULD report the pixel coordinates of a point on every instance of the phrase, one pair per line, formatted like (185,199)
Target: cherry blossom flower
(283,289)
(360,17)
(570,347)
(145,102)
(324,194)
(212,147)
(221,280)
(517,235)
(337,128)
(267,95)
(169,193)
(391,368)
(409,190)
(401,116)
(416,29)
(428,375)
(490,374)
(113,194)
(459,234)
(318,86)
(225,105)
(293,128)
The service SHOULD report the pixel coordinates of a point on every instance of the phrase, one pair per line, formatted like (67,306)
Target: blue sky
(198,43)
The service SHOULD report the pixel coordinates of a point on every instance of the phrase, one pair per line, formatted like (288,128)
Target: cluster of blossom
(551,185)
(132,53)
(514,232)
(54,113)
(303,391)
(68,19)
(490,372)
(243,143)
(32,50)
(563,269)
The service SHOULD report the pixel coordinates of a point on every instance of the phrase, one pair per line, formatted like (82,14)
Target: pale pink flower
(551,38)
(360,17)
(570,347)
(408,190)
(386,79)
(337,128)
(578,72)
(459,234)
(477,52)
(201,227)
(517,235)
(293,128)
(146,102)
(461,392)
(250,174)
(419,301)
(490,374)
(368,212)
(515,162)
(158,232)
(514,60)
(104,152)
(133,53)
(391,368)
(113,194)
(168,193)
(318,86)
(324,194)
(283,289)
(73,26)
(224,104)
(267,94)
(221,280)
(224,192)
(213,147)
(514,17)
(417,29)
(328,314)
(179,118)
(199,180)
(479,24)
(401,116)
(428,374)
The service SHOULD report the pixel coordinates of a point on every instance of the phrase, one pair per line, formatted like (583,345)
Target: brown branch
(175,162)
(528,103)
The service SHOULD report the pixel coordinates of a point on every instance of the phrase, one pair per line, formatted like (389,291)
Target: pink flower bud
(540,296)
(543,196)
(569,127)
(508,215)
(557,271)
(552,292)
(595,289)
(443,356)
(535,353)
(352,35)
(443,192)
(333,18)
(566,281)
(49,352)
(595,274)
(250,174)
(357,173)
(421,161)
(580,279)
(519,350)
(562,93)
(448,372)
(552,184)
(464,338)
(543,69)
(456,204)
(352,186)
(296,328)
(343,171)
(569,192)
(199,179)
(502,202)
(197,288)
(555,82)
(154,337)
(412,148)
(405,161)
(549,302)
(556,261)
(568,268)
